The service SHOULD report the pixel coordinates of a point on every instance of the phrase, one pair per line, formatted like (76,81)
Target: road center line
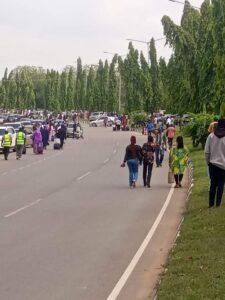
(83,176)
(22,208)
(107,160)
(122,281)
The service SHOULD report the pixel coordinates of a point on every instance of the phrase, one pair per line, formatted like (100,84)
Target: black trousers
(217,178)
(147,173)
(178,178)
(6,152)
(61,142)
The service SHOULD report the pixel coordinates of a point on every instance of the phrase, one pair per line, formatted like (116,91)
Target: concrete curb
(189,192)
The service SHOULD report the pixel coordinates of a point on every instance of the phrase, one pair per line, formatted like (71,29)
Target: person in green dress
(179,160)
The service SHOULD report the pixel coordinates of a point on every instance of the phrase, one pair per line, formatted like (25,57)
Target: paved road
(69,225)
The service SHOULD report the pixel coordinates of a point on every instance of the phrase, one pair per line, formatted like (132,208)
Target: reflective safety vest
(20,138)
(7,140)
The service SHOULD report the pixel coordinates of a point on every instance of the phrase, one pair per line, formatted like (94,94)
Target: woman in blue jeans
(133,157)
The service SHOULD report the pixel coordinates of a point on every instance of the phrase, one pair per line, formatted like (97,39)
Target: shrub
(138,118)
(197,129)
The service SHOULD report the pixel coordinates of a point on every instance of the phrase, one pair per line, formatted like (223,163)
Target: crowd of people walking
(160,138)
(42,134)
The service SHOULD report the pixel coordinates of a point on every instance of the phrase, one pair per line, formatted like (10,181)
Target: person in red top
(170,132)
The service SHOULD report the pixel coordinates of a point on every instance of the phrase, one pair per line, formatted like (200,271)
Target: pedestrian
(74,129)
(118,124)
(105,121)
(20,143)
(215,158)
(170,134)
(133,157)
(178,160)
(45,136)
(6,144)
(37,140)
(150,127)
(61,134)
(160,141)
(212,126)
(148,151)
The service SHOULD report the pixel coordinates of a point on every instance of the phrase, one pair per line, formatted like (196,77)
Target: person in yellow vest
(6,144)
(20,143)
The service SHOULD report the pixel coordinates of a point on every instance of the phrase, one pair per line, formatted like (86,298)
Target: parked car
(95,115)
(12,132)
(15,125)
(26,123)
(13,118)
(98,122)
(70,130)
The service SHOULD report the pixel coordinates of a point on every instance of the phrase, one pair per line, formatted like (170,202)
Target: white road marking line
(114,151)
(5,173)
(22,208)
(83,176)
(122,281)
(107,160)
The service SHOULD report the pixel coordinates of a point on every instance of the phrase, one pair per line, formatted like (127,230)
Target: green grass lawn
(196,268)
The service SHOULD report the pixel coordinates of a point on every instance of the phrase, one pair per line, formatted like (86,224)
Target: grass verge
(196,267)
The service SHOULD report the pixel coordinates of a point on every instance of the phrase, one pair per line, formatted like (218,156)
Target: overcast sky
(53,33)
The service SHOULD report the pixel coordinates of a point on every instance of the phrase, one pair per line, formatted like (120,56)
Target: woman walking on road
(133,157)
(148,151)
(37,141)
(179,161)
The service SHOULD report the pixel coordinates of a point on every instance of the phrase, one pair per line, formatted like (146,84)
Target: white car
(12,132)
(96,115)
(98,123)
(15,125)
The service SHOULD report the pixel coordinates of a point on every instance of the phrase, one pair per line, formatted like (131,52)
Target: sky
(53,33)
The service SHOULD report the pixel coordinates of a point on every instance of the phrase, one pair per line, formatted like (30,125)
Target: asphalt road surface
(69,224)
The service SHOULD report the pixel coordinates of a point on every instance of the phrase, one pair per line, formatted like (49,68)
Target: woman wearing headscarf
(179,160)
(37,140)
(133,157)
(45,136)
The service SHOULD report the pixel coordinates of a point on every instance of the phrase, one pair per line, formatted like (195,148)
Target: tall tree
(155,77)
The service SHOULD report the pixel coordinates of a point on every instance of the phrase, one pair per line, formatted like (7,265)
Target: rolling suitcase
(56,145)
(40,148)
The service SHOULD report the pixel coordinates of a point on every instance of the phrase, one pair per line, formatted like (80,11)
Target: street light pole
(183,3)
(148,45)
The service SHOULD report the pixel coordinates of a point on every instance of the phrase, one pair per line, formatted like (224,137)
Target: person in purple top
(37,139)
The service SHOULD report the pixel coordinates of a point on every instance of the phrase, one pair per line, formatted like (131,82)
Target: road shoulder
(143,281)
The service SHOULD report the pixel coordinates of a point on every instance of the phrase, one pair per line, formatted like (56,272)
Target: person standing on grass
(148,151)
(133,157)
(215,158)
(178,160)
(212,126)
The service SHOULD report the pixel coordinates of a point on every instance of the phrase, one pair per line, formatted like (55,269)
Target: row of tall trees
(194,78)
(123,85)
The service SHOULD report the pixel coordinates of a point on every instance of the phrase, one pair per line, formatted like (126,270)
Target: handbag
(170,177)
